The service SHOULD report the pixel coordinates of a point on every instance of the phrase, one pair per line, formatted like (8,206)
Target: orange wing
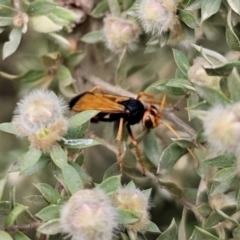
(105,103)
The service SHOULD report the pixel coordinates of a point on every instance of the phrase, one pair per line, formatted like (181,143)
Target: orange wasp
(123,110)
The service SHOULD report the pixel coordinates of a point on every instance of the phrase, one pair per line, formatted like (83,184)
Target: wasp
(124,110)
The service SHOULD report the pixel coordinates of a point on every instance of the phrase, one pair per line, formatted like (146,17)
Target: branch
(24,227)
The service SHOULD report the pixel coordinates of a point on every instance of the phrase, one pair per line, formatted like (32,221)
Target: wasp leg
(97,89)
(135,144)
(119,142)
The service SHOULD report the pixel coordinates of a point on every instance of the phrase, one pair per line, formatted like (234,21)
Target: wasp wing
(97,101)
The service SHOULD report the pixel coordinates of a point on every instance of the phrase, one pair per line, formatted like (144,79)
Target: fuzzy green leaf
(181,61)
(93,37)
(170,233)
(30,158)
(49,193)
(152,227)
(126,217)
(51,227)
(72,179)
(6,21)
(64,13)
(188,19)
(5,236)
(224,69)
(222,161)
(49,212)
(233,84)
(209,8)
(80,143)
(114,8)
(58,156)
(200,234)
(235,5)
(110,184)
(225,174)
(14,40)
(14,213)
(170,156)
(40,7)
(20,236)
(99,9)
(7,127)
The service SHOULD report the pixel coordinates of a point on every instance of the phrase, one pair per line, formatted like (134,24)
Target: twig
(151,176)
(24,227)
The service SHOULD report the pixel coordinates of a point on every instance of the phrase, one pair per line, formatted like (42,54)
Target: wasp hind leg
(135,144)
(119,144)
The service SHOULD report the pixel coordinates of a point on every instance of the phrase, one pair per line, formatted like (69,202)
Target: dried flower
(221,200)
(39,116)
(120,34)
(89,215)
(222,128)
(157,16)
(198,75)
(135,201)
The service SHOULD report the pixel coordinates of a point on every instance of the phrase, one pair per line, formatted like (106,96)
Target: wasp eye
(148,123)
(153,113)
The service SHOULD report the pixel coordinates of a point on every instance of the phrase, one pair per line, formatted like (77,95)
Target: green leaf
(113,170)
(236,233)
(81,118)
(5,236)
(222,161)
(36,200)
(224,69)
(209,8)
(181,61)
(14,40)
(152,227)
(178,83)
(215,218)
(151,148)
(184,142)
(39,165)
(5,208)
(58,156)
(172,188)
(204,209)
(110,184)
(40,7)
(44,24)
(20,236)
(72,179)
(231,37)
(2,186)
(233,84)
(114,8)
(49,193)
(193,5)
(5,21)
(188,19)
(235,5)
(30,158)
(170,233)
(64,13)
(51,227)
(64,76)
(80,143)
(7,127)
(74,59)
(99,9)
(30,76)
(126,217)
(93,37)
(220,187)
(49,212)
(170,156)
(200,234)
(14,213)
(225,174)
(211,95)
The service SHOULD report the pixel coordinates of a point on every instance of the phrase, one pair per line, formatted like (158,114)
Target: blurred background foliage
(70,46)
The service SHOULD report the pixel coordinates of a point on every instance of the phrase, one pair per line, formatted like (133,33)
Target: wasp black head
(150,117)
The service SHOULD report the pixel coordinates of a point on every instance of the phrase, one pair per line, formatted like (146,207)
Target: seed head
(89,215)
(120,34)
(39,116)
(135,201)
(157,16)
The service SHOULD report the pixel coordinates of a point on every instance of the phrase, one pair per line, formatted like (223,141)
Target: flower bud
(198,75)
(157,16)
(120,34)
(39,116)
(88,215)
(134,201)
